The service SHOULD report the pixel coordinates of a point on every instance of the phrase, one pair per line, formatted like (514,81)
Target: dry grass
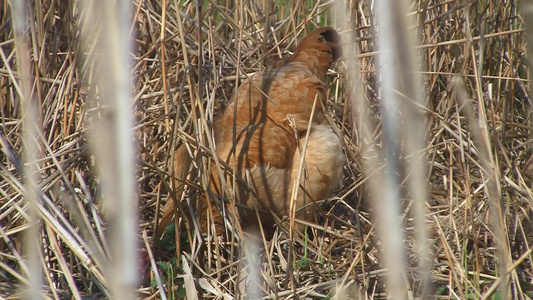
(478,180)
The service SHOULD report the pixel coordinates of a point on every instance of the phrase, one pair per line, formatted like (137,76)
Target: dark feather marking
(331,36)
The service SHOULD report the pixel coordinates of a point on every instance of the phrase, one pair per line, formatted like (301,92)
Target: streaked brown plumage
(262,132)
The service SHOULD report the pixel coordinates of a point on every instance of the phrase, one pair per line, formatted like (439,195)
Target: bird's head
(319,49)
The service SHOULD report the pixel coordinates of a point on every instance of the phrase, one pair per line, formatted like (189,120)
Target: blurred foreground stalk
(112,140)
(31,153)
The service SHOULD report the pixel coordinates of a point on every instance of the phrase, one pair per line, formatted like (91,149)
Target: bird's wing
(258,127)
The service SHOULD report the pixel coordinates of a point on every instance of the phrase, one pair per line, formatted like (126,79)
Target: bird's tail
(181,165)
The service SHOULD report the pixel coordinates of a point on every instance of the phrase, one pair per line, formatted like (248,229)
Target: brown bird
(263,132)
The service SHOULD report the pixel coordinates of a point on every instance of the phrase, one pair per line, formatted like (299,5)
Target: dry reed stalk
(30,129)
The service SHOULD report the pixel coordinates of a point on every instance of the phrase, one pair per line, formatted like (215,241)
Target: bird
(275,119)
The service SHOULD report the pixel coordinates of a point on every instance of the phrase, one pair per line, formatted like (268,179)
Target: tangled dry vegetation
(470,52)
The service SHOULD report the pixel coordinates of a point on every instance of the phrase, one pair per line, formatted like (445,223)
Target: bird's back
(258,127)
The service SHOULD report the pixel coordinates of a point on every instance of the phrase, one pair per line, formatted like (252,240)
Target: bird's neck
(311,60)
